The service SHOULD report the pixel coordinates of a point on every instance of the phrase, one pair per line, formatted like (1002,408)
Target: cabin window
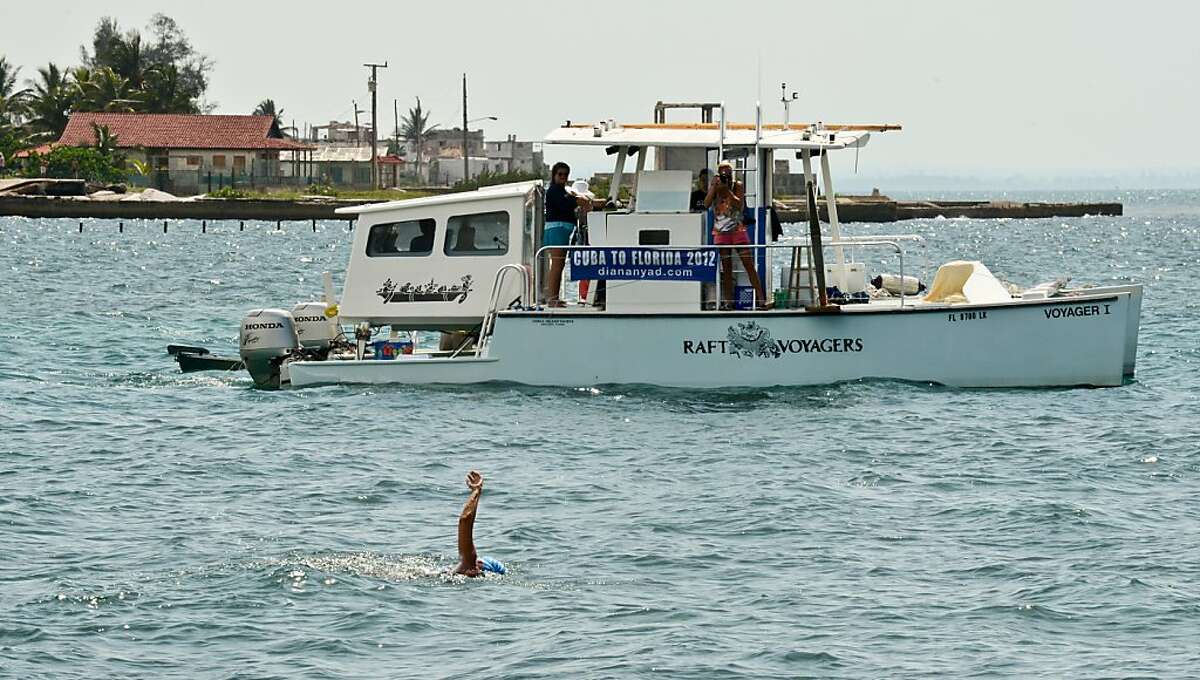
(401,239)
(654,237)
(478,234)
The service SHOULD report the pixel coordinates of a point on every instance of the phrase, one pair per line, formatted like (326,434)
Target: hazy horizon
(1073,89)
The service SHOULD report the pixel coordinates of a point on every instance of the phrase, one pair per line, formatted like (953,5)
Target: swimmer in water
(469,562)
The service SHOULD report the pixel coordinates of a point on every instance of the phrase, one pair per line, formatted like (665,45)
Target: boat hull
(1080,340)
(1133,317)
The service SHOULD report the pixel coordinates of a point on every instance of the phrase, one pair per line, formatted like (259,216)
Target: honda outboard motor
(267,339)
(314,329)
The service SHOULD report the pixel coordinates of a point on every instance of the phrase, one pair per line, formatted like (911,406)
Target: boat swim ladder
(756,192)
(489,321)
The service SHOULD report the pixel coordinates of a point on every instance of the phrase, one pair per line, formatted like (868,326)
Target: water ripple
(169,525)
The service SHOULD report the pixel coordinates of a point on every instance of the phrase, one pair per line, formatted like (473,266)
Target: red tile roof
(40,150)
(178,131)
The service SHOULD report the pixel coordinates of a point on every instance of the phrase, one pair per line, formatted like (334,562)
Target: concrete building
(341,133)
(441,158)
(183,151)
(510,155)
(448,169)
(438,141)
(336,164)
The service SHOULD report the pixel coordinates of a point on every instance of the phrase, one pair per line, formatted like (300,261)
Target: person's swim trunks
(557,234)
(737,237)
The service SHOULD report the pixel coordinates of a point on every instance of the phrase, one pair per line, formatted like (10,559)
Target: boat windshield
(399,239)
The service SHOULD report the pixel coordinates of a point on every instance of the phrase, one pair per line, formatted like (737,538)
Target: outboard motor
(315,330)
(267,339)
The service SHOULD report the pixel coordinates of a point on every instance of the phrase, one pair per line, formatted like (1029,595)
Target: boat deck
(873,305)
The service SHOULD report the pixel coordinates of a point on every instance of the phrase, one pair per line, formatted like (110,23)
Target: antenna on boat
(757,126)
(721,138)
(758,74)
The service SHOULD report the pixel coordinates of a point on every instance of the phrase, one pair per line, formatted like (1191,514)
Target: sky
(1035,89)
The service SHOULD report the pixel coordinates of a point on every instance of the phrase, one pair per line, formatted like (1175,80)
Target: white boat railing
(851,241)
(489,321)
(530,293)
(894,245)
(876,239)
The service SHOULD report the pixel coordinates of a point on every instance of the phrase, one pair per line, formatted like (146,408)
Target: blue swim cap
(494,566)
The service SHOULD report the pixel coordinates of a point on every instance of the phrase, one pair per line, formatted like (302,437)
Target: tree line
(155,71)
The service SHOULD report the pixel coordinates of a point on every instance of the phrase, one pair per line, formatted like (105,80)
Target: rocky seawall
(885,209)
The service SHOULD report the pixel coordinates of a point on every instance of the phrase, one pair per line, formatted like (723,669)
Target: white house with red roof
(190,148)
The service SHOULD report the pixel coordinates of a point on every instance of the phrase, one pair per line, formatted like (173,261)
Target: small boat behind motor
(423,266)
(192,359)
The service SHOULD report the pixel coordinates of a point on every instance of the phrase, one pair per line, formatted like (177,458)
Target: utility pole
(466,144)
(357,136)
(374,123)
(395,139)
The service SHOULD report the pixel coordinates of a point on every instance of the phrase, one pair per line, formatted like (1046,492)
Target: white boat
(471,265)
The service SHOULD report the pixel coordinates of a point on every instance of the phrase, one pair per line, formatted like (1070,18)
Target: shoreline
(850,209)
(885,209)
(206,209)
(66,198)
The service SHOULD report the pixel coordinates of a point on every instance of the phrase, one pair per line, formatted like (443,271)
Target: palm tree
(128,60)
(50,101)
(111,92)
(415,123)
(414,126)
(106,144)
(106,141)
(163,92)
(267,108)
(11,99)
(83,85)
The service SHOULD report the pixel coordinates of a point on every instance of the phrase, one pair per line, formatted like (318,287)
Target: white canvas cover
(967,281)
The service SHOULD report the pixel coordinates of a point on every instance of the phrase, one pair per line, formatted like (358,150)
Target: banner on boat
(644,264)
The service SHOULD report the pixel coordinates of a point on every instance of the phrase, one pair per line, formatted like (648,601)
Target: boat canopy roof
(708,135)
(481,194)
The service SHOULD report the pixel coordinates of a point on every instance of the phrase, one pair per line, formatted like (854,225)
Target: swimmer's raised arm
(466,526)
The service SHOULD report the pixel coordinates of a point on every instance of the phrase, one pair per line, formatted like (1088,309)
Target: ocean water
(154,524)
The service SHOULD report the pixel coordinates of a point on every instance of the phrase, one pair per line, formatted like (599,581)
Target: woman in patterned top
(727,197)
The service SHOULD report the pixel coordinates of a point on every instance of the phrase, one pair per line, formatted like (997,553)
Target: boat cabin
(429,263)
(439,263)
